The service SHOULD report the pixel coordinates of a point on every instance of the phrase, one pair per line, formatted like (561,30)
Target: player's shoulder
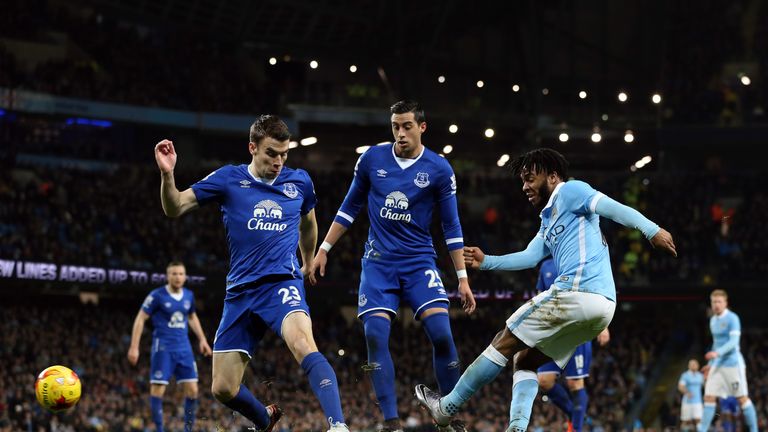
(187,292)
(289,174)
(575,186)
(225,171)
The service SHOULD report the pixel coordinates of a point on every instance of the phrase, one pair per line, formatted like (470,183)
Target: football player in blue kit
(574,310)
(576,370)
(402,183)
(172,309)
(267,210)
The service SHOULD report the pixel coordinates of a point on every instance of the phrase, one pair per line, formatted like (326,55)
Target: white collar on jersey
(176,296)
(406,162)
(725,312)
(262,180)
(552,197)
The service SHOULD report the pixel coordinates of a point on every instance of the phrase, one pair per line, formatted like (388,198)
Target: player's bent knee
(575,384)
(224,391)
(546,381)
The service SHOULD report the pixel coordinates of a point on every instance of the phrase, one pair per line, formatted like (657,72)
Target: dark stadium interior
(88,87)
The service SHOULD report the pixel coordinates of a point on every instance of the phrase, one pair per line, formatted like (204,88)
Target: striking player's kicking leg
(227,388)
(297,333)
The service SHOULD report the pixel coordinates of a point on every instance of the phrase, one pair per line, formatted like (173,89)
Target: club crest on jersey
(394,204)
(289,189)
(262,212)
(362,300)
(245,184)
(187,304)
(421,180)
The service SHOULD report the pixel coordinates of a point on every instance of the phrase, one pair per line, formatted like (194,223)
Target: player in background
(575,310)
(726,373)
(401,184)
(729,411)
(690,385)
(268,210)
(172,309)
(573,402)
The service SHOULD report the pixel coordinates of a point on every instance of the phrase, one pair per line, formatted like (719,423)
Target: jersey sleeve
(149,304)
(191,303)
(580,197)
(682,381)
(449,211)
(625,215)
(213,187)
(536,251)
(356,195)
(310,198)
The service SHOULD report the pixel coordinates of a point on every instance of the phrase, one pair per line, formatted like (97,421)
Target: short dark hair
(268,125)
(175,263)
(541,159)
(406,106)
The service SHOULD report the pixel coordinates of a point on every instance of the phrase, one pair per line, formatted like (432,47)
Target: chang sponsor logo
(395,207)
(266,217)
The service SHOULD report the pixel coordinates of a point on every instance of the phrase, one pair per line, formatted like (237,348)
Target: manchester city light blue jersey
(571,231)
(261,220)
(693,382)
(547,273)
(401,194)
(170,316)
(726,334)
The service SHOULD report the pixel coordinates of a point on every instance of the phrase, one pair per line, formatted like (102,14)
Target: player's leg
(156,392)
(739,383)
(575,371)
(445,357)
(236,338)
(547,375)
(525,386)
(186,376)
(750,415)
(161,371)
(710,402)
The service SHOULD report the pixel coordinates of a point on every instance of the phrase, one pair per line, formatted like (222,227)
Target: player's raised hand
(473,257)
(467,298)
(133,356)
(710,355)
(165,155)
(205,349)
(663,240)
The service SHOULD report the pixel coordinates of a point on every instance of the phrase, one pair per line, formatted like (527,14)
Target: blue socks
(156,405)
(524,391)
(190,408)
(250,407)
(322,379)
(482,371)
(580,400)
(707,415)
(382,370)
(560,397)
(444,355)
(750,416)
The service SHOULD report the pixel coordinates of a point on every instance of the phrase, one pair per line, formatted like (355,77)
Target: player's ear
(253,148)
(423,127)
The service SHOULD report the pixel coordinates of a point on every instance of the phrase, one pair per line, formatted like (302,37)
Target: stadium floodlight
(441,79)
(545,91)
(745,80)
(480,83)
(489,133)
(623,97)
(342,352)
(646,159)
(272,61)
(582,94)
(656,98)
(502,160)
(453,128)
(563,137)
(353,68)
(604,117)
(515,88)
(448,149)
(314,64)
(629,136)
(596,137)
(293,144)
(308,141)
(362,149)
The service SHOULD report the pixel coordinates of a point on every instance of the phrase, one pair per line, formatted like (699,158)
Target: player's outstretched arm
(138,328)
(321,258)
(197,329)
(307,242)
(174,203)
(629,217)
(528,258)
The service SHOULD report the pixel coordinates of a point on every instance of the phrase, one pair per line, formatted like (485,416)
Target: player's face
(177,276)
(407,134)
(719,303)
(693,365)
(538,186)
(269,156)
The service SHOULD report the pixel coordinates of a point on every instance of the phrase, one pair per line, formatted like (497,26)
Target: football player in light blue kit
(690,385)
(172,308)
(402,183)
(726,372)
(268,210)
(579,305)
(574,405)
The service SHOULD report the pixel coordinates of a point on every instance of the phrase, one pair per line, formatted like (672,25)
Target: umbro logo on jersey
(245,184)
(167,304)
(381,173)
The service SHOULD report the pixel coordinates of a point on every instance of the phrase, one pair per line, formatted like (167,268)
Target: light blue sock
(482,371)
(750,415)
(524,391)
(707,415)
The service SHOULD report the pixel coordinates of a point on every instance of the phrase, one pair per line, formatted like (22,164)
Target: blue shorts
(729,405)
(383,284)
(577,367)
(252,308)
(164,364)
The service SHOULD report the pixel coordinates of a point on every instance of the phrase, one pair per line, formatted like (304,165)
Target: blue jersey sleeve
(310,198)
(149,304)
(356,195)
(533,254)
(213,186)
(449,212)
(191,303)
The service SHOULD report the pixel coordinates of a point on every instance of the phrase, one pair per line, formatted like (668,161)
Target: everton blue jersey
(401,194)
(546,275)
(693,382)
(261,220)
(170,316)
(726,335)
(571,231)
